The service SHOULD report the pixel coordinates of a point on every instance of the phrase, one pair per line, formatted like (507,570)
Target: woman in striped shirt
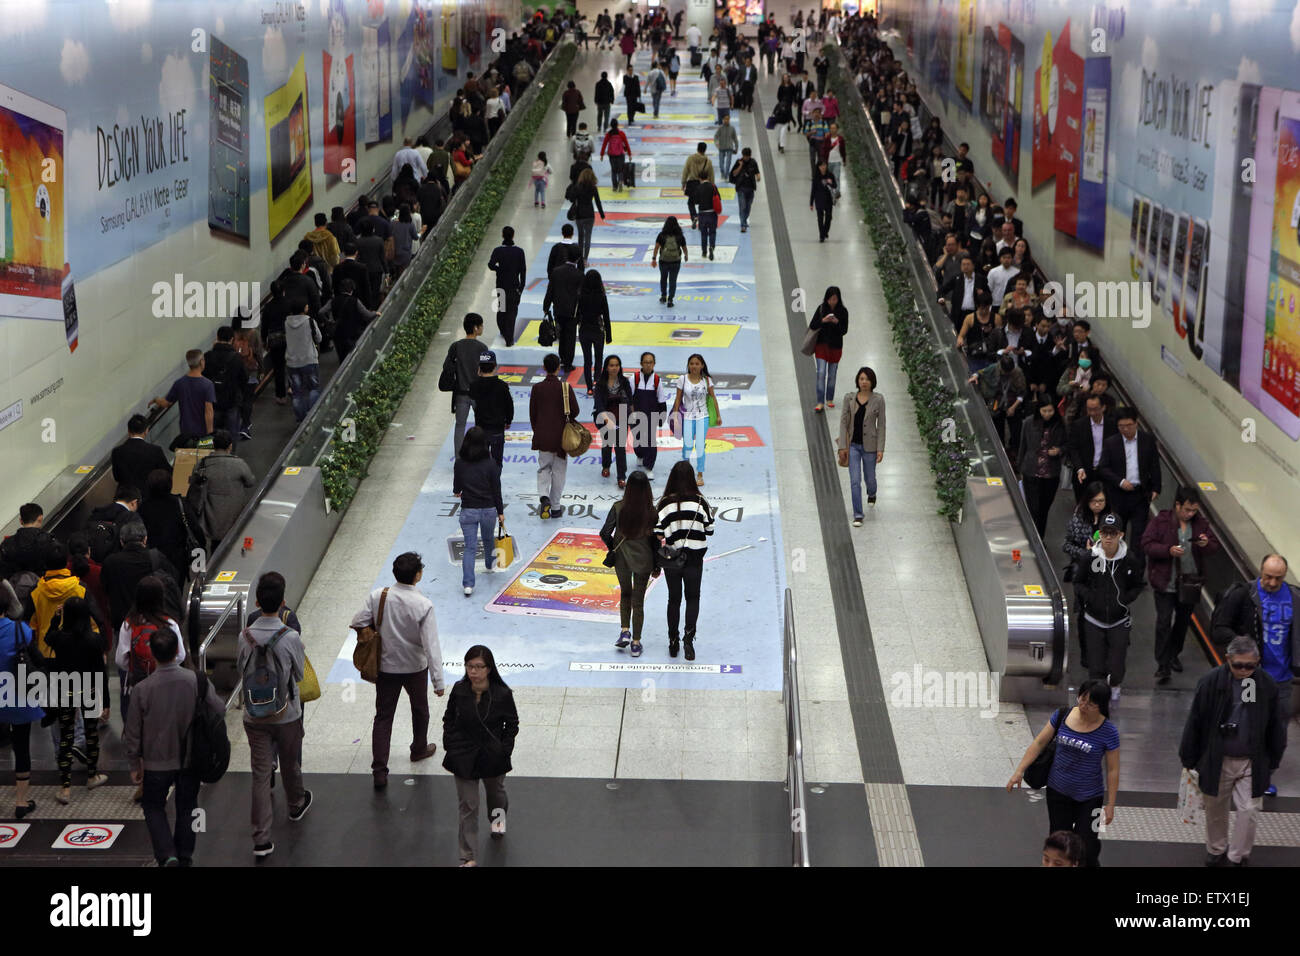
(685,522)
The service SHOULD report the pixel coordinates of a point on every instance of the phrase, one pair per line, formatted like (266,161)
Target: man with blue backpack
(658,83)
(271,663)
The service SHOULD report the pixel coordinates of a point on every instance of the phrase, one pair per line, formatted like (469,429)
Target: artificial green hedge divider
(378,395)
(934,401)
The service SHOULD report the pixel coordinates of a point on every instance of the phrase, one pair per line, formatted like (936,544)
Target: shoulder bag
(575,439)
(1036,773)
(365,656)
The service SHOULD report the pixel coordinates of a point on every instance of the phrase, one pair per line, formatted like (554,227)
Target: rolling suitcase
(629,174)
(696,57)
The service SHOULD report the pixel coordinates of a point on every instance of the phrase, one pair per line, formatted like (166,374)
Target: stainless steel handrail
(236,602)
(794,780)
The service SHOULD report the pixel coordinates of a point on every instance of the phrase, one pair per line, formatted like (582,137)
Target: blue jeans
(723,111)
(668,277)
(473,522)
(694,433)
(539,190)
(862,463)
(826,380)
(724,161)
(305,382)
(746,199)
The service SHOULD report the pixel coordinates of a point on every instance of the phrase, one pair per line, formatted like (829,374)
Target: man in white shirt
(1008,238)
(408,656)
(408,154)
(1001,275)
(693,37)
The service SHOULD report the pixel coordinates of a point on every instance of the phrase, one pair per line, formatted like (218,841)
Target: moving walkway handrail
(794,780)
(976,410)
(236,604)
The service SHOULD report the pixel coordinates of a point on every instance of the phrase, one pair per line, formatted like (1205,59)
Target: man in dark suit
(511,268)
(137,456)
(1045,356)
(562,251)
(1085,441)
(1130,466)
(350,267)
(960,291)
(562,289)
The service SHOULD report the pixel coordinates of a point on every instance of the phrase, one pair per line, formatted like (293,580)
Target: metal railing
(794,782)
(235,604)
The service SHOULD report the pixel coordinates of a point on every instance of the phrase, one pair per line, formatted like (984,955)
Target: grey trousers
(263,741)
(467,793)
(463,406)
(551,469)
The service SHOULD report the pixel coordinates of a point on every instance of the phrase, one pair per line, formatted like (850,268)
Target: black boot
(690,645)
(673,645)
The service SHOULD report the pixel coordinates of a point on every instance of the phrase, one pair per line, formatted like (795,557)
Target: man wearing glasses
(1233,739)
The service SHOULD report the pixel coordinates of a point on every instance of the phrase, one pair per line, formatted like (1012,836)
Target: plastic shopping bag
(1191,804)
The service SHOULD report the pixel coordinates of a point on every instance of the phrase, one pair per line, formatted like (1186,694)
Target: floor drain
(611,785)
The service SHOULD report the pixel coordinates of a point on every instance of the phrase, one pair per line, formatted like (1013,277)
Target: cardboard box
(186,460)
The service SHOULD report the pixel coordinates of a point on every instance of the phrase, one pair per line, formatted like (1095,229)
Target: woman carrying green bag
(699,410)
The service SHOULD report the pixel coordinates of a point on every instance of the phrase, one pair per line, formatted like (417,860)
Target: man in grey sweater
(157,730)
(281,733)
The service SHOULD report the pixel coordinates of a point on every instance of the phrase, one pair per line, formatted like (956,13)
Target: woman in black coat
(479,729)
(612,406)
(594,329)
(164,519)
(830,321)
(1042,447)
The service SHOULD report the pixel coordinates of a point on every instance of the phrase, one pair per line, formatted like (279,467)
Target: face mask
(1085,363)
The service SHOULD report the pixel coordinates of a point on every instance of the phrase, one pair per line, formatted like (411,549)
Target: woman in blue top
(14,634)
(1085,771)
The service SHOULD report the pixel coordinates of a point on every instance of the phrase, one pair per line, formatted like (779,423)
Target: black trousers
(616,171)
(1011,439)
(1135,508)
(1039,494)
(496,442)
(168,841)
(593,355)
(824,219)
(507,318)
(277,353)
(689,577)
(1066,813)
(614,446)
(1107,651)
(568,340)
(570,123)
(1172,619)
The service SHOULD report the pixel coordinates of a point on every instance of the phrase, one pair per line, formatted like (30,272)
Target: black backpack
(172,602)
(227,380)
(208,744)
(449,380)
(101,530)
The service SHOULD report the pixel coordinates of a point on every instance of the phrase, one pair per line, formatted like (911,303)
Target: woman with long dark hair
(479,729)
(477,483)
(694,389)
(594,329)
(1042,445)
(629,534)
(830,321)
(79,658)
(669,254)
(148,613)
(685,523)
(584,199)
(1080,535)
(1085,771)
(612,408)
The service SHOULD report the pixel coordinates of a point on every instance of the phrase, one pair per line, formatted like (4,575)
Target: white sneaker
(468,592)
(857,522)
(1114,694)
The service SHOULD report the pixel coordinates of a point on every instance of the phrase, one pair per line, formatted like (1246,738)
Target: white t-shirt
(695,398)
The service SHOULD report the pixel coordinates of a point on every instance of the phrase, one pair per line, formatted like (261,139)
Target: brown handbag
(365,656)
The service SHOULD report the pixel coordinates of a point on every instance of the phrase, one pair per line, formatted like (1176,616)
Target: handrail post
(798,819)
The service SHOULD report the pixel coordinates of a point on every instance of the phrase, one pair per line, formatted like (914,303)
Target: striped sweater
(686,524)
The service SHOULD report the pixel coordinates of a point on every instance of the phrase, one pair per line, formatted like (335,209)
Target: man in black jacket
(298,284)
(494,407)
(431,200)
(959,292)
(224,367)
(564,250)
(562,301)
(511,268)
(1045,359)
(1084,443)
(1234,738)
(124,569)
(1130,466)
(350,267)
(1106,583)
(604,100)
(136,457)
(28,549)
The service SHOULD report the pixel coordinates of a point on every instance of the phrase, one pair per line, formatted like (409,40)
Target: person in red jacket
(1175,543)
(615,142)
(628,46)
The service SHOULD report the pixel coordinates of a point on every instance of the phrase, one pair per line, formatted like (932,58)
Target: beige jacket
(696,164)
(872,437)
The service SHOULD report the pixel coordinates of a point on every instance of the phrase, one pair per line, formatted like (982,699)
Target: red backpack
(140,662)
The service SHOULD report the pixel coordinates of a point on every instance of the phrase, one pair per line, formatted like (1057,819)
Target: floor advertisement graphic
(551,618)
